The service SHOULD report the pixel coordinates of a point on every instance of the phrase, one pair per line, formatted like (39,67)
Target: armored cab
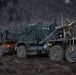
(34,33)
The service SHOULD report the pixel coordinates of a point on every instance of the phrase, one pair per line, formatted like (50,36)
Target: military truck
(8,40)
(58,42)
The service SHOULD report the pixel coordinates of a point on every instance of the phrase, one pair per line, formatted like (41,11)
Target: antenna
(62,20)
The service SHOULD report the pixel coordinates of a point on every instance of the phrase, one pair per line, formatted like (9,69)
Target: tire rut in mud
(36,65)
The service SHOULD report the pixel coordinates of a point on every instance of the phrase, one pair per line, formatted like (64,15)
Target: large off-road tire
(22,51)
(70,54)
(56,53)
(1,50)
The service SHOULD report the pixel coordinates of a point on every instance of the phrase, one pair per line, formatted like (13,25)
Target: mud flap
(1,50)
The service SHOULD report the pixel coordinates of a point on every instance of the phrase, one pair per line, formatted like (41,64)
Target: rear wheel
(56,53)
(71,53)
(21,51)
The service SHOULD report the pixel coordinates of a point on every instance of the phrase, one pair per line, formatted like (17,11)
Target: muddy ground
(36,65)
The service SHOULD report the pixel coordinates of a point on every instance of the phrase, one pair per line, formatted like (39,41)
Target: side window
(28,30)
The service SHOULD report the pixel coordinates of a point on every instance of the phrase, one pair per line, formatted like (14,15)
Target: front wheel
(71,53)
(56,53)
(22,51)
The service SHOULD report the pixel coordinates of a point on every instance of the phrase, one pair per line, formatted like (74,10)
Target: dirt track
(11,65)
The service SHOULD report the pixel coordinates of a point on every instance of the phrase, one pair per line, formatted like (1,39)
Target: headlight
(50,44)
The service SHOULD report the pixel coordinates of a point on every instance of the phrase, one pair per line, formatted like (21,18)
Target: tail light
(8,45)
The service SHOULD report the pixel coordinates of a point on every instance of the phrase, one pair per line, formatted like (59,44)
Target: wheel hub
(72,55)
(20,53)
(56,55)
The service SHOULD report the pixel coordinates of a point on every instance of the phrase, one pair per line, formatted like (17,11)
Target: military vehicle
(56,41)
(8,40)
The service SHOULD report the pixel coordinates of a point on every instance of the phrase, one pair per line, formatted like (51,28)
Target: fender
(21,43)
